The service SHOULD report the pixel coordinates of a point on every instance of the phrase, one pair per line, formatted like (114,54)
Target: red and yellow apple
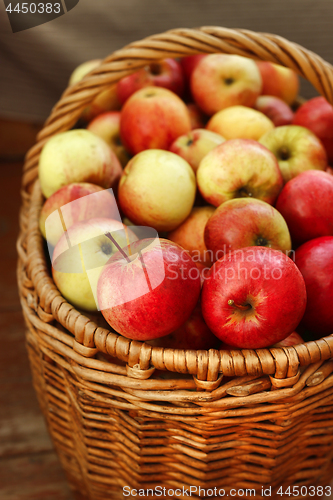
(139,292)
(245,222)
(194,145)
(222,80)
(296,148)
(152,118)
(239,168)
(278,81)
(275,109)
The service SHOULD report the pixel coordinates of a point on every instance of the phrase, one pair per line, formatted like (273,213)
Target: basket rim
(89,338)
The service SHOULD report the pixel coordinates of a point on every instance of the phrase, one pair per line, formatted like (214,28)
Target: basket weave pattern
(118,422)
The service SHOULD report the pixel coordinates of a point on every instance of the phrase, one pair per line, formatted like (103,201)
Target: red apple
(197,117)
(275,109)
(221,80)
(253,297)
(194,145)
(296,148)
(189,63)
(279,81)
(139,293)
(166,73)
(75,202)
(152,118)
(193,334)
(293,339)
(107,126)
(245,222)
(239,168)
(306,203)
(315,261)
(317,115)
(190,234)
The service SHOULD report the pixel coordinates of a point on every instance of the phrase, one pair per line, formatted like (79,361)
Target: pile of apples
(194,206)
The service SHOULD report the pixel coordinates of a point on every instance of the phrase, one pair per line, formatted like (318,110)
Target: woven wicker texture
(116,420)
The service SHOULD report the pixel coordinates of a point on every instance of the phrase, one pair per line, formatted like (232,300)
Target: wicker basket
(124,422)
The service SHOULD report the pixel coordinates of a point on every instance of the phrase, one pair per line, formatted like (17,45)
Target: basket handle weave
(205,365)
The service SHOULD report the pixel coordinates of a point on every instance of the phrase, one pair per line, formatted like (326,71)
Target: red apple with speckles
(152,118)
(317,115)
(275,109)
(139,291)
(75,203)
(245,222)
(306,203)
(167,73)
(253,297)
(193,334)
(315,261)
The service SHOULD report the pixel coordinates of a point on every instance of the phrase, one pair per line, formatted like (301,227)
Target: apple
(278,81)
(189,64)
(240,122)
(166,73)
(253,297)
(315,261)
(73,203)
(190,234)
(77,156)
(107,126)
(296,148)
(329,170)
(275,109)
(239,168)
(317,115)
(105,101)
(193,334)
(152,118)
(139,291)
(245,222)
(194,145)
(293,339)
(80,255)
(306,203)
(222,80)
(157,189)
(197,117)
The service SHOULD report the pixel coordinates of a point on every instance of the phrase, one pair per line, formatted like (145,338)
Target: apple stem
(242,307)
(108,235)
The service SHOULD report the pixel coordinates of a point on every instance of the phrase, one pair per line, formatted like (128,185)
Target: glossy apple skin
(240,122)
(194,145)
(306,203)
(275,109)
(157,189)
(152,118)
(296,148)
(77,282)
(315,261)
(77,156)
(317,115)
(155,312)
(245,222)
(239,168)
(167,73)
(190,234)
(278,81)
(223,80)
(193,334)
(107,127)
(103,205)
(265,282)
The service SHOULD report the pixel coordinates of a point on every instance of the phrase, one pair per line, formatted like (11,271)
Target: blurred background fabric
(35,64)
